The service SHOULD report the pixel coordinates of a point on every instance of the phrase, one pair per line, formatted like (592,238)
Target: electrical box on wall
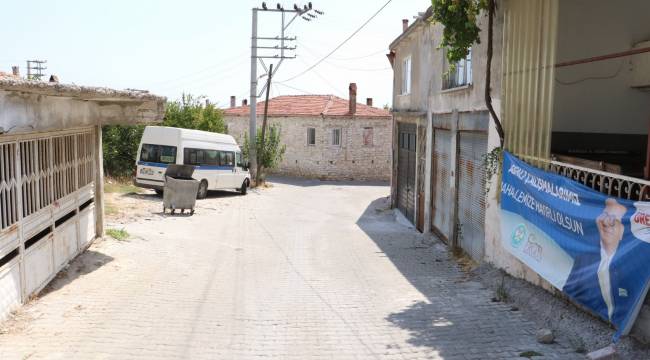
(641,68)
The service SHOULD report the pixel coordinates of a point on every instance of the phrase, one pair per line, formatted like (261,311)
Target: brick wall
(351,160)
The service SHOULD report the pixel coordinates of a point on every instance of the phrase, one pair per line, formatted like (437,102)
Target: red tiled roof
(310,105)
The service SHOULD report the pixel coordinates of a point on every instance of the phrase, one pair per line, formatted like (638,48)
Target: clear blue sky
(200,46)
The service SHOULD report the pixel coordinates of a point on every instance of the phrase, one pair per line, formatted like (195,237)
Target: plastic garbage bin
(180,189)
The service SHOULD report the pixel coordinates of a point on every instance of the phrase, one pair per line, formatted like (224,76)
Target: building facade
(326,137)
(51,175)
(575,104)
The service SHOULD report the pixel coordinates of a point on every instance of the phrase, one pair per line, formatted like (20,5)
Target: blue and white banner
(593,247)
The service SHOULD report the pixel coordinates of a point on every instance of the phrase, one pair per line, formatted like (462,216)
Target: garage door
(406,170)
(442,168)
(471,193)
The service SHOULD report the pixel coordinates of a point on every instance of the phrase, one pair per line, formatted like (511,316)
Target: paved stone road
(301,271)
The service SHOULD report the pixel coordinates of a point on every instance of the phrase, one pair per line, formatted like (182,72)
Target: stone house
(51,175)
(327,137)
(576,104)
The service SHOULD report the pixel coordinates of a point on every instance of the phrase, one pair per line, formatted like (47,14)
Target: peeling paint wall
(27,112)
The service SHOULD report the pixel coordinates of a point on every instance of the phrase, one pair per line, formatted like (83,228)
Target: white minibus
(217,159)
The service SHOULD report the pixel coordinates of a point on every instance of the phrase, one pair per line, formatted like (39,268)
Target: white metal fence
(46,208)
(8,186)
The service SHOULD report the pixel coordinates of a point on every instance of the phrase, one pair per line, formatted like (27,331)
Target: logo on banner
(640,221)
(533,249)
(518,235)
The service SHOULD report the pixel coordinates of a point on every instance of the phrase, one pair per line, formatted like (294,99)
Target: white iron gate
(46,208)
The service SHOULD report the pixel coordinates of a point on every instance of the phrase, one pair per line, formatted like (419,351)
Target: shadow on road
(84,264)
(458,317)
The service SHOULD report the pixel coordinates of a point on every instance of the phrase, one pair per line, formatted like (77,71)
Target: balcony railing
(607,183)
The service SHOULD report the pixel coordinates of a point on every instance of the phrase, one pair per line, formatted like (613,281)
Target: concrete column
(453,179)
(427,174)
(99,183)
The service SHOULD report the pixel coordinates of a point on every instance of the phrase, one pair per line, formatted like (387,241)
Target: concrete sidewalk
(302,270)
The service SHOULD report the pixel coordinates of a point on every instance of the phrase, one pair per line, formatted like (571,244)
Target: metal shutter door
(406,170)
(442,201)
(471,193)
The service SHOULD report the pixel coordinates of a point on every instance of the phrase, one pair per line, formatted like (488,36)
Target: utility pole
(305,12)
(266,114)
(35,69)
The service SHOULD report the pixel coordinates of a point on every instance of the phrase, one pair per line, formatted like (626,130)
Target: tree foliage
(460,29)
(271,153)
(193,113)
(120,143)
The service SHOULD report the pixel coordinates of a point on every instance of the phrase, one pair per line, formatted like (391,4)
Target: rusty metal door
(441,214)
(471,193)
(406,170)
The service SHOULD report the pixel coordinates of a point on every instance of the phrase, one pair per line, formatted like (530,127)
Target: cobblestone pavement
(302,270)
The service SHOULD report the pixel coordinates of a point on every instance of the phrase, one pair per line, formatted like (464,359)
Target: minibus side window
(201,157)
(238,159)
(230,159)
(158,153)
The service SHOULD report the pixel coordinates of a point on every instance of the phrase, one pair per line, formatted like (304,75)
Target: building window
(367,136)
(406,76)
(311,136)
(336,137)
(459,76)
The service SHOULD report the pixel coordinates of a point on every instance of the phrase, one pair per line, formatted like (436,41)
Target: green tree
(271,153)
(194,113)
(120,146)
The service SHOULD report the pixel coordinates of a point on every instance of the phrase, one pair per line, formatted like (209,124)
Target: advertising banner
(593,247)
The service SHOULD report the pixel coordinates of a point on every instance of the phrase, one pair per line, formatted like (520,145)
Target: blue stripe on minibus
(145,163)
(197,167)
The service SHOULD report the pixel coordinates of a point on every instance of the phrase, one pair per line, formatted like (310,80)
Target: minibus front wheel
(244,187)
(203,190)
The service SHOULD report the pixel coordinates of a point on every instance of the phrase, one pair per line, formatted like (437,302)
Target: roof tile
(309,105)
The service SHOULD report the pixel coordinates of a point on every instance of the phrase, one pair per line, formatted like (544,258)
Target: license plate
(146,171)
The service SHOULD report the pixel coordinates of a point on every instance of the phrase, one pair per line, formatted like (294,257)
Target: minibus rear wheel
(203,190)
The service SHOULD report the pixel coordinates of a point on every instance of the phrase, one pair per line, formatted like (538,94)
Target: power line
(308,48)
(294,88)
(382,51)
(194,73)
(341,44)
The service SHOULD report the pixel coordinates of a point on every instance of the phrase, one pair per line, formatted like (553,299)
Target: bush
(120,145)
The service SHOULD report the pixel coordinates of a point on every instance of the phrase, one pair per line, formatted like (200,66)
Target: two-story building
(575,104)
(326,137)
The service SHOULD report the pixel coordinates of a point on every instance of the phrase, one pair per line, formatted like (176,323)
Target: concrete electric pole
(306,14)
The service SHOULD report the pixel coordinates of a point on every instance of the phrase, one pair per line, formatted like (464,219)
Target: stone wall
(351,160)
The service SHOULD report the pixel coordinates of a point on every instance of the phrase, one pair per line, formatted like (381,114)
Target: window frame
(458,79)
(313,138)
(340,136)
(407,72)
(372,136)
